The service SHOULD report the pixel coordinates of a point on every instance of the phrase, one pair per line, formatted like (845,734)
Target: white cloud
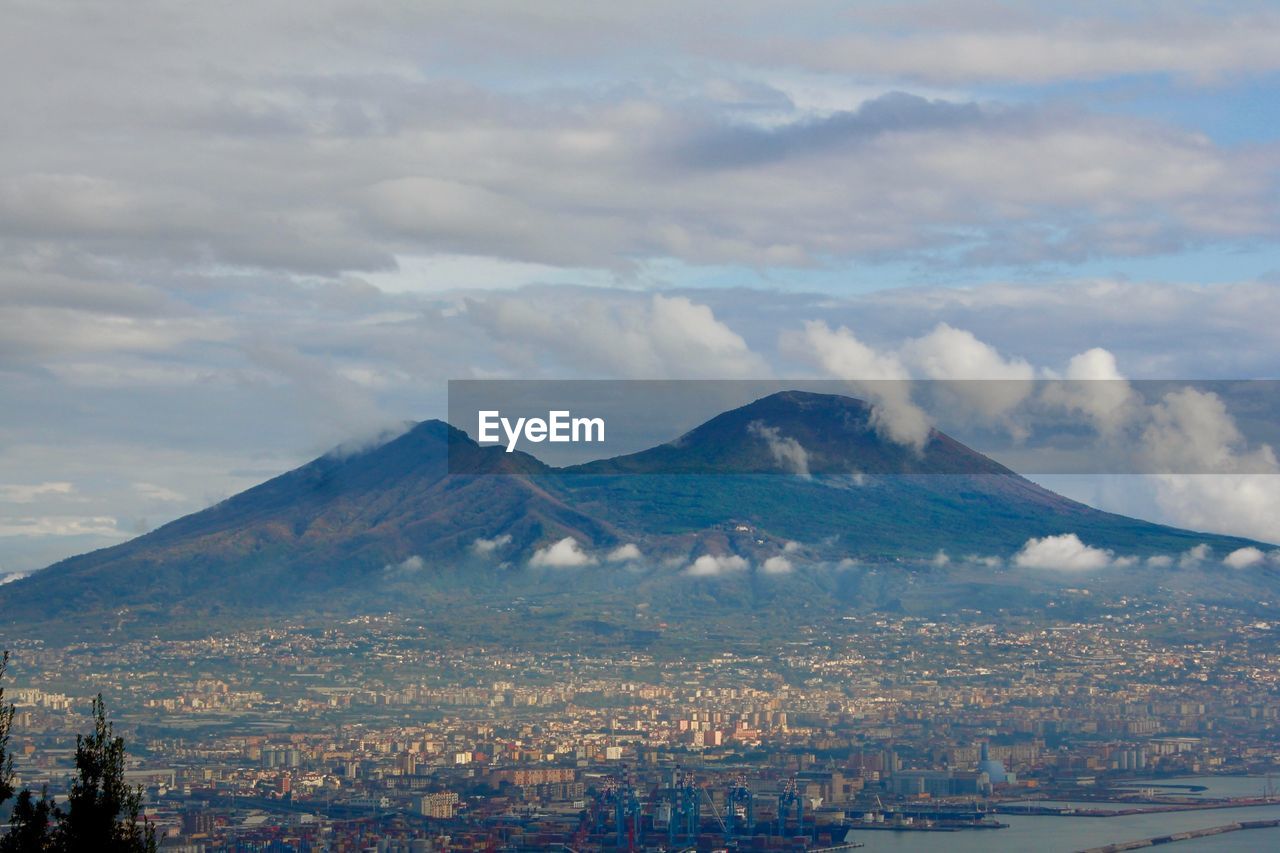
(488,546)
(25,494)
(624,553)
(651,338)
(410,564)
(1194,556)
(841,355)
(1205,475)
(786,451)
(951,353)
(1096,364)
(710,565)
(1160,561)
(12,576)
(777,565)
(98,525)
(1240,504)
(940,559)
(1094,387)
(1243,558)
(982,42)
(1063,552)
(566,553)
(155,492)
(1191,431)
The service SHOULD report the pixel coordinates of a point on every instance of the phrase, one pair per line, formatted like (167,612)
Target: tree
(29,826)
(6,723)
(104,813)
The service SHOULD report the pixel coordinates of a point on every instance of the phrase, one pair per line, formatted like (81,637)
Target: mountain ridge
(338,527)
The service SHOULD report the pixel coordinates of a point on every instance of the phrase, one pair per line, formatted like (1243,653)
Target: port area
(907,818)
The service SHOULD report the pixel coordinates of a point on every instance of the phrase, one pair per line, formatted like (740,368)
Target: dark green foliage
(6,723)
(29,826)
(103,814)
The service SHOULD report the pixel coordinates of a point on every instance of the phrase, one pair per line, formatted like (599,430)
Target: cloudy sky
(235,234)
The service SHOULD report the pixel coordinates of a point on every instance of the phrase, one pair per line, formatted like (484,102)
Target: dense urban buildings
(369,732)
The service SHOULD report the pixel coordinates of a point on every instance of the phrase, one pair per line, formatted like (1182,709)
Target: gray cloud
(729,146)
(621,334)
(485,547)
(786,451)
(360,143)
(1044,42)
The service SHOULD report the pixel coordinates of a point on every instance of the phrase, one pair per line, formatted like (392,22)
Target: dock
(1188,835)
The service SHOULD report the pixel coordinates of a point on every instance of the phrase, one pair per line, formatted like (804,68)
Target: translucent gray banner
(871,427)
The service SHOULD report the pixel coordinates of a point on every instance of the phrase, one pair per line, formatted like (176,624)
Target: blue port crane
(739,810)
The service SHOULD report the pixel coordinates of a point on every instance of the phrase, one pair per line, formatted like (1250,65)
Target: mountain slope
(791,467)
(829,434)
(866,496)
(331,524)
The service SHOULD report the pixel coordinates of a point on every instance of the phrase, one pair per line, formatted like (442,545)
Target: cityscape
(367,734)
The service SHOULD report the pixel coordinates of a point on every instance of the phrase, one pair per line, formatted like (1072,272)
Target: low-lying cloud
(407,565)
(488,546)
(1243,558)
(711,565)
(777,565)
(627,553)
(786,451)
(1195,556)
(564,554)
(1064,552)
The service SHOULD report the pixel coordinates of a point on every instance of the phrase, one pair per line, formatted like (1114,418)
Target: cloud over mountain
(565,553)
(629,552)
(711,565)
(786,450)
(1243,558)
(1063,552)
(488,546)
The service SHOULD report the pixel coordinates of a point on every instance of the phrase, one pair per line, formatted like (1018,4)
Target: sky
(234,235)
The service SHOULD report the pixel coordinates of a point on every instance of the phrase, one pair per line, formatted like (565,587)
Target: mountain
(836,435)
(324,526)
(794,473)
